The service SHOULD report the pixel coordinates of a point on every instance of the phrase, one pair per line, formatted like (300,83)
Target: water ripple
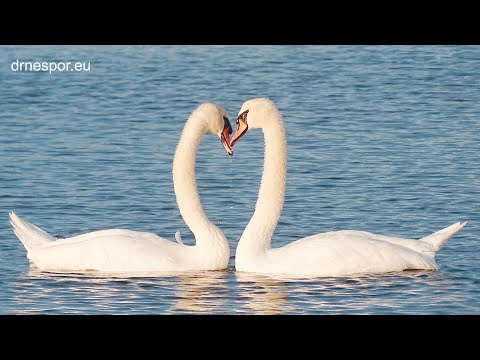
(381,138)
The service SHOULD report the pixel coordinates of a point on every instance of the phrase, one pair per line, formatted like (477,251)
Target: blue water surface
(380,138)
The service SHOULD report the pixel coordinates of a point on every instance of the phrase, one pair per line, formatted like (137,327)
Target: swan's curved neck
(258,233)
(188,199)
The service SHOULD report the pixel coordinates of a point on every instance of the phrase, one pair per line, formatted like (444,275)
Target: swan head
(217,123)
(254,113)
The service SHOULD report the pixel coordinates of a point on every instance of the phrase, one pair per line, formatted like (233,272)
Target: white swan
(336,253)
(119,250)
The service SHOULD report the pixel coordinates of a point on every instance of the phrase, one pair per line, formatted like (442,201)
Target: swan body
(335,253)
(121,250)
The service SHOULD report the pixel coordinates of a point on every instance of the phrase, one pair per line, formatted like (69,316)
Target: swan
(335,253)
(121,250)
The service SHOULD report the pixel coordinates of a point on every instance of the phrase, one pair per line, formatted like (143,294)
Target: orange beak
(242,128)
(225,139)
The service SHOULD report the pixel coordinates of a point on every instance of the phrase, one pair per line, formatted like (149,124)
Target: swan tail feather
(30,235)
(437,239)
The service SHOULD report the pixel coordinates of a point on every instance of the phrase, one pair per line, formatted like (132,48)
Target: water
(382,138)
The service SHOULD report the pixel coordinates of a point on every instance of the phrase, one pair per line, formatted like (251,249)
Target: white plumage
(336,253)
(119,250)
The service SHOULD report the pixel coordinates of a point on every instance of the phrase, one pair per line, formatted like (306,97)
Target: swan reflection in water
(39,292)
(262,295)
(367,294)
(220,292)
(203,292)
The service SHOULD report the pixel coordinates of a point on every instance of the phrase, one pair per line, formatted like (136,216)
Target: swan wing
(111,251)
(412,244)
(345,253)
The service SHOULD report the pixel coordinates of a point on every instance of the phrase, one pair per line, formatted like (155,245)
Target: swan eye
(243,117)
